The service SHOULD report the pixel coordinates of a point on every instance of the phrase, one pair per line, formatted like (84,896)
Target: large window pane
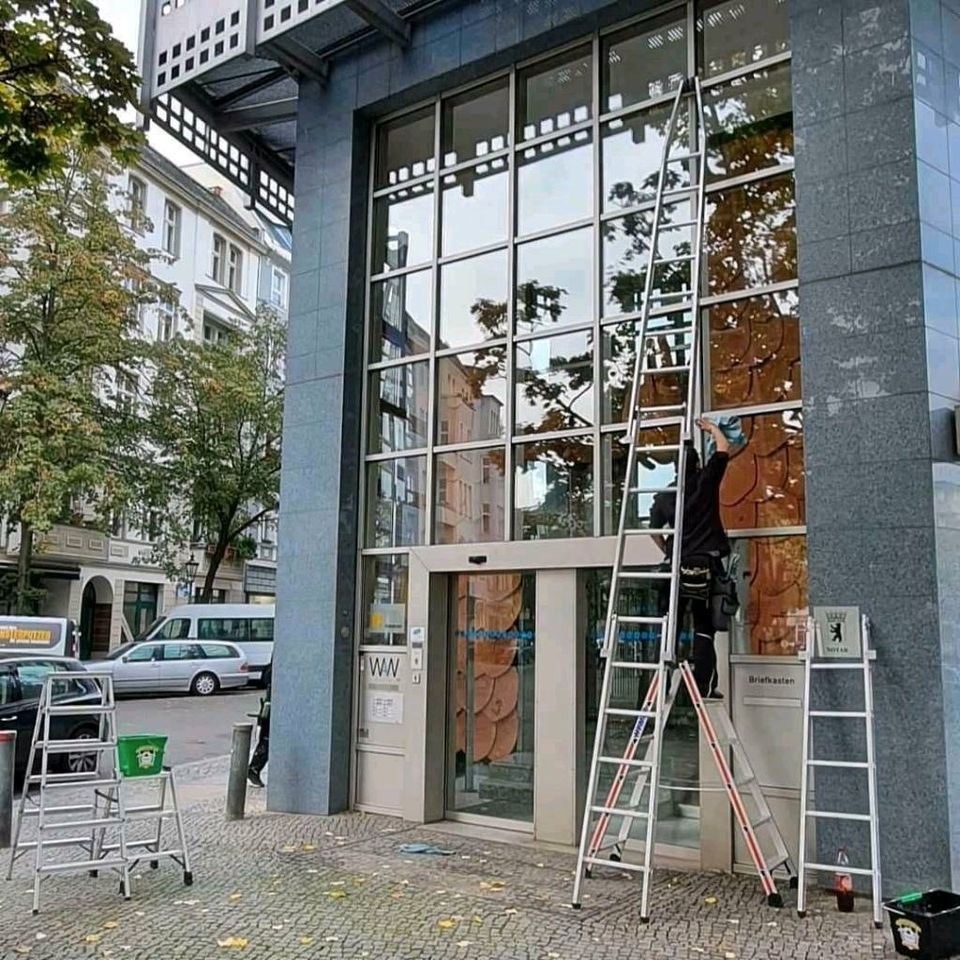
(476,123)
(773,595)
(396,502)
(568,161)
(642,62)
(749,123)
(553,489)
(473,300)
(619,357)
(400,316)
(752,235)
(474,205)
(470,496)
(754,351)
(490,753)
(626,249)
(632,150)
(764,482)
(555,281)
(554,94)
(738,32)
(403,228)
(399,402)
(472,395)
(405,148)
(385,580)
(554,383)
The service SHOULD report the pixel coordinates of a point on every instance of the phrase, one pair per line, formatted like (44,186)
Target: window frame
(234,269)
(137,192)
(172,228)
(218,250)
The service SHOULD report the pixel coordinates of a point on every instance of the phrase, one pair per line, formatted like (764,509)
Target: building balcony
(222,76)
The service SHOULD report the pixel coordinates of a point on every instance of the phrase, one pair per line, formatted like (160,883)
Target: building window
(235,270)
(214,332)
(166,320)
(278,288)
(218,259)
(172,221)
(127,390)
(138,202)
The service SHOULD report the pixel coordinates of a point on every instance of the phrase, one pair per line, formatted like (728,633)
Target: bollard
(8,753)
(239,762)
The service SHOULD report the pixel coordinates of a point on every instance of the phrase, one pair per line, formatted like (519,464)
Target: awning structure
(222,76)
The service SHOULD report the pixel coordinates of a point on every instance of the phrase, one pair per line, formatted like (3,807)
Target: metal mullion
(799,530)
(597,282)
(473,252)
(548,332)
(621,212)
(397,362)
(395,454)
(474,161)
(749,293)
(434,324)
(384,551)
(661,11)
(542,138)
(767,173)
(471,348)
(756,409)
(502,74)
(568,47)
(468,445)
(638,315)
(508,507)
(758,67)
(622,113)
(406,185)
(608,428)
(522,438)
(401,271)
(554,231)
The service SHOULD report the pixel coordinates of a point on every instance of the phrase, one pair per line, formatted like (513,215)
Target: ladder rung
(668,332)
(653,621)
(664,261)
(667,309)
(834,815)
(82,824)
(651,531)
(615,864)
(836,868)
(839,665)
(644,575)
(84,865)
(656,371)
(665,409)
(660,448)
(679,225)
(624,762)
(56,842)
(842,764)
(66,808)
(146,843)
(777,861)
(762,822)
(692,155)
(618,812)
(654,423)
(634,665)
(154,814)
(73,781)
(626,712)
(76,746)
(671,196)
(841,714)
(72,710)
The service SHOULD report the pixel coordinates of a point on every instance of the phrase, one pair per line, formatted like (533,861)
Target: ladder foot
(615,856)
(774,900)
(794,883)
(801,914)
(644,919)
(576,906)
(93,873)
(188,878)
(878,924)
(35,912)
(154,864)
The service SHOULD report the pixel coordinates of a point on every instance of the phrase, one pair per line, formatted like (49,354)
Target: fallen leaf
(729,956)
(464,943)
(288,848)
(111,925)
(39,936)
(398,895)
(477,919)
(276,926)
(305,941)
(331,939)
(358,881)
(313,870)
(553,956)
(309,846)
(338,883)
(512,912)
(22,950)
(335,894)
(233,943)
(235,896)
(495,886)
(446,924)
(92,938)
(710,900)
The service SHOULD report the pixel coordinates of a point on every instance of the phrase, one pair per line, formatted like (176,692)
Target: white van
(248,626)
(50,635)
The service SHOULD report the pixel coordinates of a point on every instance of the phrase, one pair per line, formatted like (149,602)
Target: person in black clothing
(703,545)
(261,753)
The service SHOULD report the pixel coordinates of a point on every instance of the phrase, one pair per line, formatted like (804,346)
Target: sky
(124,17)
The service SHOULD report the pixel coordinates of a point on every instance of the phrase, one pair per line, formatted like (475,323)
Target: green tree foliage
(214,419)
(73,283)
(64,78)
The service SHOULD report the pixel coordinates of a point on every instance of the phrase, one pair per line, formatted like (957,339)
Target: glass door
(491,696)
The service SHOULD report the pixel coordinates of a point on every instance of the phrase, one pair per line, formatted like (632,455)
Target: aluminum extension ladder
(83,822)
(653,343)
(814,664)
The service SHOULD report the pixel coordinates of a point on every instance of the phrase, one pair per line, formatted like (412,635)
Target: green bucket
(140,756)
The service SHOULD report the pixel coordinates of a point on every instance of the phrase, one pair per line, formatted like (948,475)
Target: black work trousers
(704,651)
(261,753)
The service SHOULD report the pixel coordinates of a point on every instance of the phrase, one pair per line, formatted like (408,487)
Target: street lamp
(188,574)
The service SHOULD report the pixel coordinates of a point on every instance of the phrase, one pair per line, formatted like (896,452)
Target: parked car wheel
(81,761)
(204,685)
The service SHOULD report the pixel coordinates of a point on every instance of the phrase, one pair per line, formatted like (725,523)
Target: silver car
(176,666)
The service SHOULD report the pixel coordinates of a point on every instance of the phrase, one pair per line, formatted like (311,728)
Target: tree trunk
(24,596)
(212,567)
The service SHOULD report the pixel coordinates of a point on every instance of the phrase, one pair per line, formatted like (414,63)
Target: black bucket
(926,925)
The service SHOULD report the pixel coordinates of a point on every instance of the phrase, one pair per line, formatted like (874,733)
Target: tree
(214,417)
(64,79)
(74,281)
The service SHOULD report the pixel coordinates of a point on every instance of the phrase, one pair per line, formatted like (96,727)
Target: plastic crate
(926,925)
(141,755)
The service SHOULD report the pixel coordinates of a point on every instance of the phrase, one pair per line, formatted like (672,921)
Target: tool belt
(695,580)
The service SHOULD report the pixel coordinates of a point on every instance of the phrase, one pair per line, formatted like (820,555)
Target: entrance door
(490,738)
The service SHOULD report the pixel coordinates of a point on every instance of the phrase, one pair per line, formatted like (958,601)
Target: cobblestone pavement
(279,886)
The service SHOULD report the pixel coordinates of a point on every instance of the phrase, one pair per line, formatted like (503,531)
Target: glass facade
(509,244)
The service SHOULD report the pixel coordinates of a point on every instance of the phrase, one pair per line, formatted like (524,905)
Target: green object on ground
(140,755)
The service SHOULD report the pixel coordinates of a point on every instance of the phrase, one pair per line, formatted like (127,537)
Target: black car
(21,680)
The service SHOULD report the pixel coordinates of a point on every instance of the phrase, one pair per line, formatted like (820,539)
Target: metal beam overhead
(258,115)
(378,15)
(267,79)
(301,61)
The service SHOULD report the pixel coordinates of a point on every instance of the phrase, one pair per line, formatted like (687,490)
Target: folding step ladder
(55,814)
(668,345)
(815,663)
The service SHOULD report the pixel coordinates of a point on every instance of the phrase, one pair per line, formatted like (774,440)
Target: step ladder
(814,664)
(62,820)
(664,349)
